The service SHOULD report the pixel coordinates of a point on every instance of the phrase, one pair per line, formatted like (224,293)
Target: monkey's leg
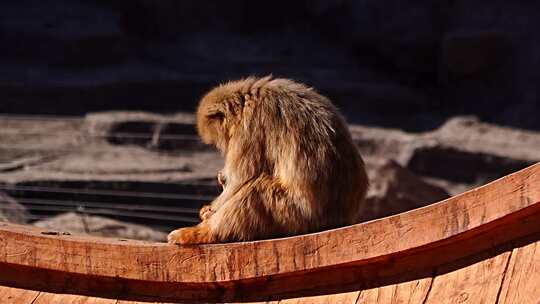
(242,217)
(199,234)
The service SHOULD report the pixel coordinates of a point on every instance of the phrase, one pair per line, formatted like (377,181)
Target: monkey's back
(310,150)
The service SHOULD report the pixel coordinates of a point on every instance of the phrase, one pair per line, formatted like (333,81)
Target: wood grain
(477,283)
(408,292)
(521,283)
(51,298)
(382,252)
(136,302)
(17,296)
(340,298)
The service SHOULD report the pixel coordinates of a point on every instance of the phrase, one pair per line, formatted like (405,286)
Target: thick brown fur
(290,164)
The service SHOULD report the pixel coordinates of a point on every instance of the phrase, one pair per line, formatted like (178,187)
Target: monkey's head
(220,112)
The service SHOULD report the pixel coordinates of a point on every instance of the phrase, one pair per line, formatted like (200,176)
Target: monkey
(291,166)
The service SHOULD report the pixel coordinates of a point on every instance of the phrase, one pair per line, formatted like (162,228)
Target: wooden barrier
(391,250)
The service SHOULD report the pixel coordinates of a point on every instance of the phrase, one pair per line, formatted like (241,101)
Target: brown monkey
(290,164)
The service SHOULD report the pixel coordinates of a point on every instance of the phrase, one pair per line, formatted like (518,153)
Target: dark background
(402,64)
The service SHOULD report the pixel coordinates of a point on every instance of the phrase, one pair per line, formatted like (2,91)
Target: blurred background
(97,99)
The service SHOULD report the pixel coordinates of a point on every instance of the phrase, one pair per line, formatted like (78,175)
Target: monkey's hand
(206,212)
(221,179)
(199,234)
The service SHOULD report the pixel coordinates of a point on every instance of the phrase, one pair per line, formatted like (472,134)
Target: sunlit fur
(290,164)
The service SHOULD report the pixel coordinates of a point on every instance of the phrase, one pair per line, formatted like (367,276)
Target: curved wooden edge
(364,255)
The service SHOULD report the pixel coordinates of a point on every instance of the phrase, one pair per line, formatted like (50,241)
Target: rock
(505,90)
(110,146)
(91,162)
(100,226)
(471,53)
(403,37)
(11,210)
(152,131)
(463,151)
(471,134)
(322,8)
(384,143)
(132,54)
(71,34)
(463,133)
(394,189)
(165,19)
(469,151)
(66,163)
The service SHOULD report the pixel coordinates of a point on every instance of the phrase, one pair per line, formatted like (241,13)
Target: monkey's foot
(199,234)
(205,212)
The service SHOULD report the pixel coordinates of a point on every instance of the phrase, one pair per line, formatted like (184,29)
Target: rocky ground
(384,62)
(108,173)
(72,222)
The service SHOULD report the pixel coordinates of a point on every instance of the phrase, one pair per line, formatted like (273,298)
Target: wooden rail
(385,251)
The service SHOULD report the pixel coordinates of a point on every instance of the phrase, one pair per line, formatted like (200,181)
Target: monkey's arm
(207,210)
